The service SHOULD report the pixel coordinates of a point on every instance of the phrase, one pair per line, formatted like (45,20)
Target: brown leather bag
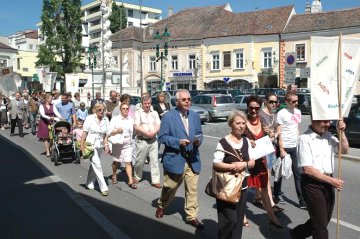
(226,186)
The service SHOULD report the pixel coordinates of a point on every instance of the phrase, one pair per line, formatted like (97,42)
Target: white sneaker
(2,128)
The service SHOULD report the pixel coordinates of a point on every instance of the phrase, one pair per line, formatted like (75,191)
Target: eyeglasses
(185,99)
(294,101)
(254,108)
(100,110)
(125,108)
(272,101)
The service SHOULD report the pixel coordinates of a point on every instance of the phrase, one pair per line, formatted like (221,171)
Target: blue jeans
(296,173)
(32,116)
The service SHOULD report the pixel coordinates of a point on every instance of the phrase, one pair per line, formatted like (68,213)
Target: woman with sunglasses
(259,175)
(268,122)
(94,132)
(122,125)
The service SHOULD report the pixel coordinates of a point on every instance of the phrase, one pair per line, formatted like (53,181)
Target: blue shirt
(81,114)
(66,111)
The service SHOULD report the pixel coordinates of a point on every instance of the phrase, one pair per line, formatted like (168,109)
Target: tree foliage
(117,18)
(62,29)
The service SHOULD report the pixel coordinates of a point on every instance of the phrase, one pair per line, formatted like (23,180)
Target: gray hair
(145,98)
(177,95)
(235,113)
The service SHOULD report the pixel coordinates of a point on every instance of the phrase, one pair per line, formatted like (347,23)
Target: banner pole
(339,81)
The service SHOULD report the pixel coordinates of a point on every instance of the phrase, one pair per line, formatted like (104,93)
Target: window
(31,46)
(300,52)
(96,22)
(239,60)
(267,59)
(18,63)
(130,13)
(227,58)
(130,24)
(174,63)
(152,63)
(25,69)
(95,35)
(192,62)
(215,61)
(94,10)
(3,63)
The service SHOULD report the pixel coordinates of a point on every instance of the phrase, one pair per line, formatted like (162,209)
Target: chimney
(170,11)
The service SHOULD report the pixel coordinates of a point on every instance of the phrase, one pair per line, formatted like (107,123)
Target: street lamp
(92,65)
(161,55)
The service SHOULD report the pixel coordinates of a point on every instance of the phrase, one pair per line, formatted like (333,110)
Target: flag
(49,81)
(324,75)
(41,71)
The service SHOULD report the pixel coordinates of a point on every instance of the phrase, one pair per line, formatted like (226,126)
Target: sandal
(277,209)
(132,185)
(114,180)
(246,224)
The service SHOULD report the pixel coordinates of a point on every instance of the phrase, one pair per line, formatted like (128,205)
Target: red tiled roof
(324,21)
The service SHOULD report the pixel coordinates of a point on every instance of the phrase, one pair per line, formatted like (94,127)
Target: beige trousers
(171,184)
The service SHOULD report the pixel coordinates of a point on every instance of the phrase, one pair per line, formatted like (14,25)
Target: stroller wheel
(52,155)
(56,158)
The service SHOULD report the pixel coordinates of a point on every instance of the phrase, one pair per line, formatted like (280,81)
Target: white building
(92,20)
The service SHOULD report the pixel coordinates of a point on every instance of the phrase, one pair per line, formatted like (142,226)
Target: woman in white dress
(94,132)
(120,135)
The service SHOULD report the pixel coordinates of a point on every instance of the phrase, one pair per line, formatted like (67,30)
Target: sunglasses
(185,99)
(272,101)
(125,108)
(254,108)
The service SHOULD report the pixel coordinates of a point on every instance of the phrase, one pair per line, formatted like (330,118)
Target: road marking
(212,137)
(346,224)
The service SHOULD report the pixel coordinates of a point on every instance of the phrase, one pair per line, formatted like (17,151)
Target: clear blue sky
(18,15)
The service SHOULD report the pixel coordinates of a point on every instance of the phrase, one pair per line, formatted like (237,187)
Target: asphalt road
(128,213)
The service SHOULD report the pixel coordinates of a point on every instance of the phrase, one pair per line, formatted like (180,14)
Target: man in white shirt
(147,125)
(316,151)
(288,120)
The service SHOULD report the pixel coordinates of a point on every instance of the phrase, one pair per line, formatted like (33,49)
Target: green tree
(117,18)
(61,27)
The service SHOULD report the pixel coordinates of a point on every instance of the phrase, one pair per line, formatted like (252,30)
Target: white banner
(324,78)
(72,83)
(41,71)
(49,81)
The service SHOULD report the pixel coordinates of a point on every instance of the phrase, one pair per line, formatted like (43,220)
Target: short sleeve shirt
(317,151)
(96,130)
(146,120)
(289,120)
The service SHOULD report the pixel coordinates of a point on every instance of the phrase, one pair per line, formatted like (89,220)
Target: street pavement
(54,202)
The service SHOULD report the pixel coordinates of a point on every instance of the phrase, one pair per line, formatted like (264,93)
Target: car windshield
(224,99)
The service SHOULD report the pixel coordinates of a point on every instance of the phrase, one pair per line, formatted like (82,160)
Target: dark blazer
(158,109)
(93,102)
(171,131)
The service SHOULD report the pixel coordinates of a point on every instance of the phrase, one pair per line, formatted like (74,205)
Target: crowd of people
(133,134)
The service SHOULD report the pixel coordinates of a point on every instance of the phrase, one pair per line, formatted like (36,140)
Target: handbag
(116,139)
(88,150)
(226,186)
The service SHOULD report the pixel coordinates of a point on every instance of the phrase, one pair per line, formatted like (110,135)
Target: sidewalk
(34,206)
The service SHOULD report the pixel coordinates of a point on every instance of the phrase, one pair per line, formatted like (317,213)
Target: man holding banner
(315,152)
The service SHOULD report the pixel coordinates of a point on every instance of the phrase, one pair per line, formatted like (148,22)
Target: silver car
(218,105)
(240,102)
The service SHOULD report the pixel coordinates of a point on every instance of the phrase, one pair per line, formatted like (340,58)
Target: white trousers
(95,172)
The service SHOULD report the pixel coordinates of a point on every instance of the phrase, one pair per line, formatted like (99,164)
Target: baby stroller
(63,144)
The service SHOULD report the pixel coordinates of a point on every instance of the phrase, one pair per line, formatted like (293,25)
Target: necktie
(186,124)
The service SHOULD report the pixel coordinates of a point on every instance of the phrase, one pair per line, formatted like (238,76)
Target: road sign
(290,60)
(290,75)
(305,72)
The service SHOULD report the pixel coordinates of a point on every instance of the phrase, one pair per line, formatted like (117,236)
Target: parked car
(218,105)
(134,100)
(203,112)
(232,92)
(304,103)
(264,91)
(240,102)
(303,90)
(352,122)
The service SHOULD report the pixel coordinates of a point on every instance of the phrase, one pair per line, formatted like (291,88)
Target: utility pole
(141,51)
(120,45)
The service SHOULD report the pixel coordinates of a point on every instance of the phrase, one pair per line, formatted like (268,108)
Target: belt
(142,138)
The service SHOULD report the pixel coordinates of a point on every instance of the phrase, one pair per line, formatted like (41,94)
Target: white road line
(346,224)
(212,137)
